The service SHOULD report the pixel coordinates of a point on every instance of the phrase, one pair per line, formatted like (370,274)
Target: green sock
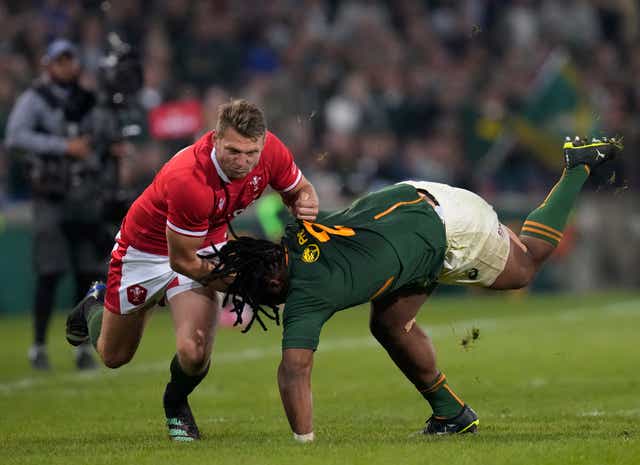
(444,402)
(547,222)
(181,383)
(94,321)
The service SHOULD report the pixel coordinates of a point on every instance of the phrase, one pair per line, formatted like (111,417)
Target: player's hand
(221,284)
(305,207)
(78,147)
(216,279)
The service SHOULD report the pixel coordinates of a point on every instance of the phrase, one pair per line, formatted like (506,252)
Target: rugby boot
(180,422)
(77,329)
(592,154)
(465,422)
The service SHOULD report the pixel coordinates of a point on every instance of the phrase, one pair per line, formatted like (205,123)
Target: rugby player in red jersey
(156,258)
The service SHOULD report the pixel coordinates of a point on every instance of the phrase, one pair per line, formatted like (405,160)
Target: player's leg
(526,256)
(392,322)
(88,267)
(83,281)
(113,316)
(114,336)
(543,229)
(195,314)
(195,317)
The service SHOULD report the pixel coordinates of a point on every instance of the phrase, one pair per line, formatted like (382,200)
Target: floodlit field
(555,380)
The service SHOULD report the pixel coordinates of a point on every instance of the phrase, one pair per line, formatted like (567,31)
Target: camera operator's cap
(57,48)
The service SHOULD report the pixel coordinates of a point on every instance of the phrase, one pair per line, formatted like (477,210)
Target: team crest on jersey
(255,183)
(136,294)
(221,203)
(311,253)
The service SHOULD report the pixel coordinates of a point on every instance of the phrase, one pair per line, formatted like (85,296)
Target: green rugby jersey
(384,241)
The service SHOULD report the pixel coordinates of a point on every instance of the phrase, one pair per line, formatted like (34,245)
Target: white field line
(328,345)
(154,367)
(600,413)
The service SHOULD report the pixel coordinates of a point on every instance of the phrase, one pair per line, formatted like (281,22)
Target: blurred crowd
(364,92)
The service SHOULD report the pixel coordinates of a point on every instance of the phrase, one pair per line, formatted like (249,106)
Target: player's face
(276,287)
(236,154)
(64,69)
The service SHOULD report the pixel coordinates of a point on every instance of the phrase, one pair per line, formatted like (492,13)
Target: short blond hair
(244,117)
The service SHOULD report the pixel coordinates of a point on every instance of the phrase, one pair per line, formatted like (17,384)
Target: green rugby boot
(592,154)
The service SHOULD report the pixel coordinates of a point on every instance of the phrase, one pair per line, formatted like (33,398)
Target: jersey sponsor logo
(311,253)
(136,294)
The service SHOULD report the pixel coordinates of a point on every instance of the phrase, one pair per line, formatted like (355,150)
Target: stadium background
(476,93)
(473,92)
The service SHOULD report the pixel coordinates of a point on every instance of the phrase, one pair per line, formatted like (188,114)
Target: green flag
(557,107)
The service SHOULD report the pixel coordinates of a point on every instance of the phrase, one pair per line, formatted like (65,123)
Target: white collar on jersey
(221,173)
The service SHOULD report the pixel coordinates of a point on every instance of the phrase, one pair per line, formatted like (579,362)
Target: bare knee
(381,329)
(528,273)
(116,359)
(296,363)
(524,276)
(192,354)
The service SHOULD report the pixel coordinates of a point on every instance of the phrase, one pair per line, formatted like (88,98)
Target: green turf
(554,380)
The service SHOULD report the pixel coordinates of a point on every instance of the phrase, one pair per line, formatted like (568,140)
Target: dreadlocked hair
(251,262)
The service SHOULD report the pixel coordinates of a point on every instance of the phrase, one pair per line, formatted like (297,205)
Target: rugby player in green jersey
(391,248)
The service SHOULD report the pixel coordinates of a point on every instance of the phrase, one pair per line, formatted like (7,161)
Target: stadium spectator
(50,122)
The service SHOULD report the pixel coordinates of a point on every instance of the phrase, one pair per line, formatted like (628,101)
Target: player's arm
(304,315)
(302,200)
(294,381)
(184,259)
(296,191)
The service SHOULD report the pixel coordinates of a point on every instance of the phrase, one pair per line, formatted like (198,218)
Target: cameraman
(51,123)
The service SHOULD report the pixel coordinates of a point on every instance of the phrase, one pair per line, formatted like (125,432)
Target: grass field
(555,380)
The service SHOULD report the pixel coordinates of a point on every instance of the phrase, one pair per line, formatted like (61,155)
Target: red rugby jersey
(188,194)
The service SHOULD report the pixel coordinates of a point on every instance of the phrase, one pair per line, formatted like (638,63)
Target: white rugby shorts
(139,280)
(477,243)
